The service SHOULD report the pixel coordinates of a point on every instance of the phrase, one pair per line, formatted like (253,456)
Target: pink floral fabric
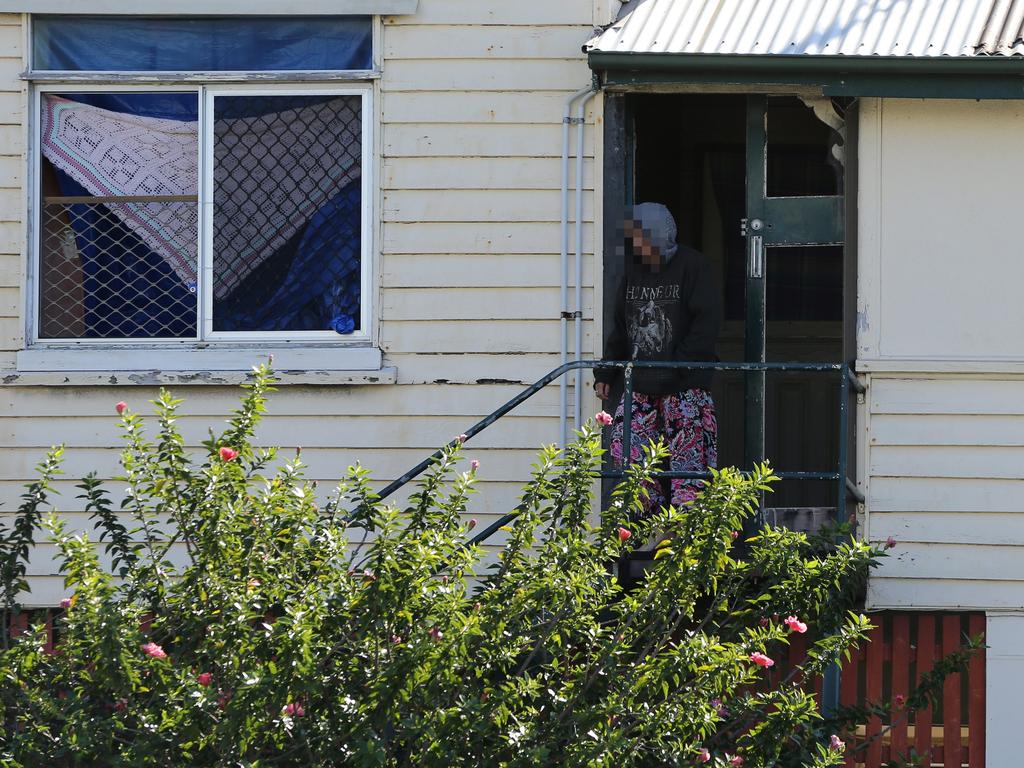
(686,421)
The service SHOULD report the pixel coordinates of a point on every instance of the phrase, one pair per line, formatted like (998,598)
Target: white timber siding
(939,337)
(470,104)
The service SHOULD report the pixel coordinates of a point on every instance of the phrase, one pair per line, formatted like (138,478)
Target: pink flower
(719,708)
(474,465)
(154,650)
(223,699)
(735,760)
(253,583)
(204,679)
(228,454)
(703,756)
(121,407)
(294,709)
(396,640)
(890,543)
(735,535)
(795,625)
(603,418)
(462,438)
(899,700)
(435,633)
(65,603)
(624,534)
(472,523)
(761,660)
(765,621)
(836,744)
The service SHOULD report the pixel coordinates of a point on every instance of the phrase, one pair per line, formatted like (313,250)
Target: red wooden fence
(902,647)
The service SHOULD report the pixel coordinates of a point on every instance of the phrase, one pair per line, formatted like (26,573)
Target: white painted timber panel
(947,263)
(959,528)
(457,337)
(467,270)
(471,304)
(535,41)
(436,173)
(508,205)
(485,238)
(458,12)
(947,395)
(215,403)
(1004,679)
(946,480)
(483,107)
(522,368)
(942,594)
(564,74)
(500,140)
(912,494)
(12,204)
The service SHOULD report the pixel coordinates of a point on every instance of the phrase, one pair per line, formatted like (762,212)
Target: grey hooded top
(671,312)
(656,219)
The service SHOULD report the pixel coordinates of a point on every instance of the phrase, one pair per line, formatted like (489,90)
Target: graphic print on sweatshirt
(648,324)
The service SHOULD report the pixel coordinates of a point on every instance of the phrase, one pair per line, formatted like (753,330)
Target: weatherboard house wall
(466,262)
(943,432)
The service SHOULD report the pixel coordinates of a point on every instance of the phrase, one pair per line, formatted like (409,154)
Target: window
(210,212)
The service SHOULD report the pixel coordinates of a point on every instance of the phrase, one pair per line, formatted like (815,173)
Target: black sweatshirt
(670,314)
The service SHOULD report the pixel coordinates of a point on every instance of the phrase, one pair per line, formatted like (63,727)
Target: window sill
(155,366)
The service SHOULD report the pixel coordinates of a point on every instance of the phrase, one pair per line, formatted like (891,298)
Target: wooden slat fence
(901,649)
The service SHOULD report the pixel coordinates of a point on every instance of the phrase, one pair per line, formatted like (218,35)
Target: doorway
(756,183)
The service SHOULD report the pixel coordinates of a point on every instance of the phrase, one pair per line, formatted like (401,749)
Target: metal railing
(848,382)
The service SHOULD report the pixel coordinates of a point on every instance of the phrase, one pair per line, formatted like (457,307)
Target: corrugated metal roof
(922,28)
(1004,30)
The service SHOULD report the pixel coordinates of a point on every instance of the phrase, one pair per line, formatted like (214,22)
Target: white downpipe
(581,111)
(563,385)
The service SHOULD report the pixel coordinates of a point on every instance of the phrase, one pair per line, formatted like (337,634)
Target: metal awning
(847,47)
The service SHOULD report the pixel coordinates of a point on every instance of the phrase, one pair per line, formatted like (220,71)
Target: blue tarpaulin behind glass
(207,44)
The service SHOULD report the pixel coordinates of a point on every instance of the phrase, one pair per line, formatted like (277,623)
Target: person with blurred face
(667,308)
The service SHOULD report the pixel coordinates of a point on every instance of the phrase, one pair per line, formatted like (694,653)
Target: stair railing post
(627,417)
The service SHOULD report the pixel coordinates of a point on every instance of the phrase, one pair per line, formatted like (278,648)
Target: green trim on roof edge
(981,77)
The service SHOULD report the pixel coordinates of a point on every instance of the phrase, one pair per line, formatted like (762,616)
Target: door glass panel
(804,287)
(804,283)
(802,150)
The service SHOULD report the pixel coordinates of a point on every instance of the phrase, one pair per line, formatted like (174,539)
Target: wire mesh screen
(100,279)
(287,213)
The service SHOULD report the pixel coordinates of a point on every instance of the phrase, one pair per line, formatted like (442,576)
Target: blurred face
(643,248)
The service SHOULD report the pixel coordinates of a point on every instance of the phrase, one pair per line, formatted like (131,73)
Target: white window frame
(206,338)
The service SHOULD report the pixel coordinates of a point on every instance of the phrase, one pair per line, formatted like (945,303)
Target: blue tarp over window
(214,44)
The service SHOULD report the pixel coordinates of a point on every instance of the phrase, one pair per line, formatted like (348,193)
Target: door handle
(755,256)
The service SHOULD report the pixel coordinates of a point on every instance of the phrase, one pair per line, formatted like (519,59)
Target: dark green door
(794,234)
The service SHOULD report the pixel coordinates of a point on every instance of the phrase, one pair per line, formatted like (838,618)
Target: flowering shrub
(357,633)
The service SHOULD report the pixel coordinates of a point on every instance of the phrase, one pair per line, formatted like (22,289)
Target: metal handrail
(847,381)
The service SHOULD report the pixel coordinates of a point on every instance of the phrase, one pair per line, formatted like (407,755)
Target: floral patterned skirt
(686,422)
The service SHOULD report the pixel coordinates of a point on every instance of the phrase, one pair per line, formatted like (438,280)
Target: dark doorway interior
(689,152)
